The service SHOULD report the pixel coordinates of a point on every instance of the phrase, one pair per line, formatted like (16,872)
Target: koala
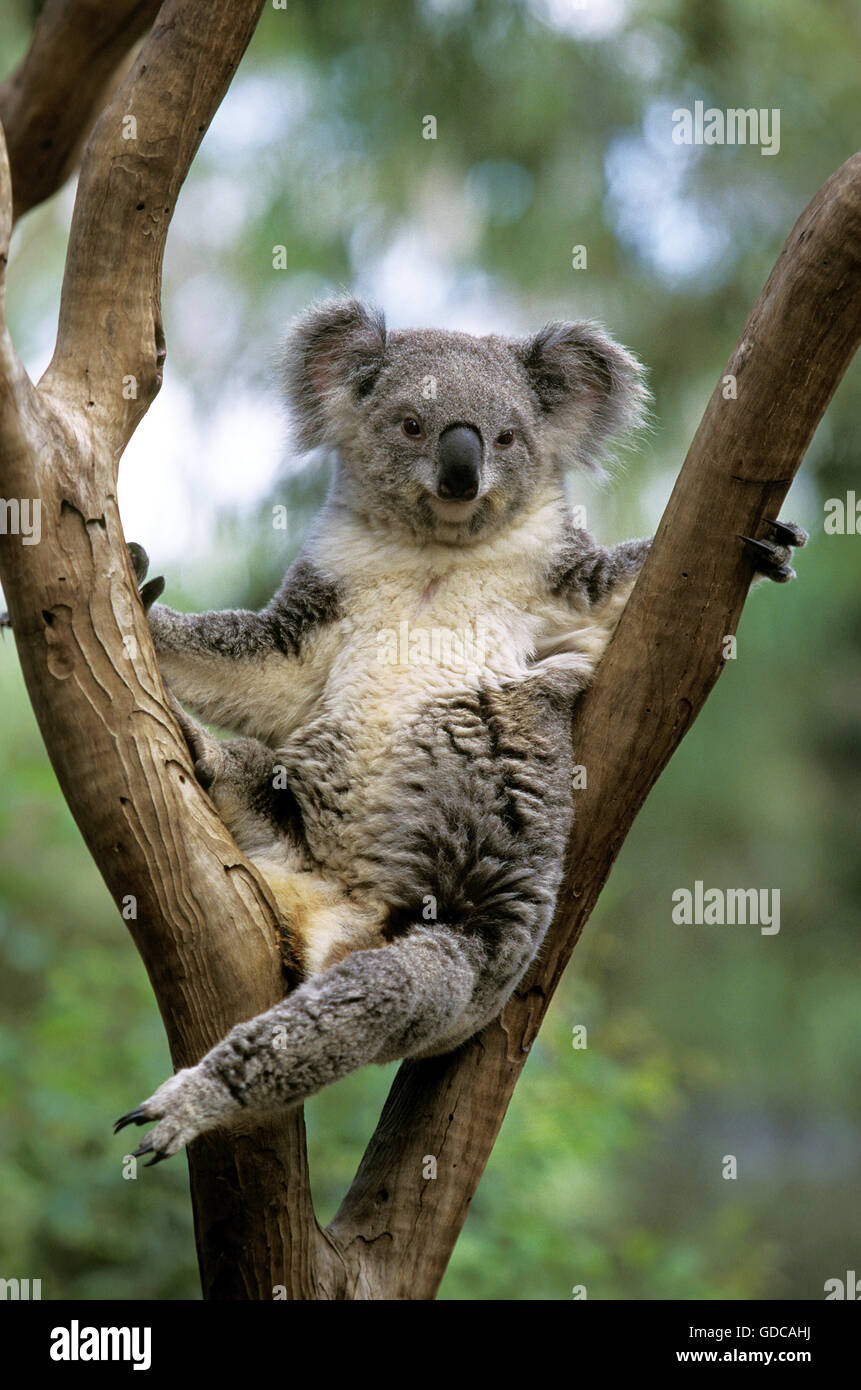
(403,775)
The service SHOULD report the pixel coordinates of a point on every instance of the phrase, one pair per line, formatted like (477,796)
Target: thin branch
(48,104)
(652,683)
(16,390)
(110,330)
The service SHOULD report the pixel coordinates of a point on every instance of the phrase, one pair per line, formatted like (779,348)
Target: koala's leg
(244,779)
(241,777)
(415,996)
(472,839)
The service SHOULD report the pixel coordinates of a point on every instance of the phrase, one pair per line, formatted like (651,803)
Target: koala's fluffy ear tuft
(589,389)
(332,357)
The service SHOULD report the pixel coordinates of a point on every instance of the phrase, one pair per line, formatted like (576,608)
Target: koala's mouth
(453,511)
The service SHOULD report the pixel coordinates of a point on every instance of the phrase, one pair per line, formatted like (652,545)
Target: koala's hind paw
(206,753)
(185,1106)
(152,590)
(773,558)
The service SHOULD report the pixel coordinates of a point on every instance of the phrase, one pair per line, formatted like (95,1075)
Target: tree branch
(49,103)
(203,921)
(138,155)
(394,1230)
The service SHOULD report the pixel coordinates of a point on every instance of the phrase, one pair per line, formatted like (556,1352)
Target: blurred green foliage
(702,1042)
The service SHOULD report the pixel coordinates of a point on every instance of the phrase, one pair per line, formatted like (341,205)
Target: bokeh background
(553,130)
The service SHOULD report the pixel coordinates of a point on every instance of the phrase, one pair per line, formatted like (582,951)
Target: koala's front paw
(154,588)
(185,1106)
(773,557)
(140,564)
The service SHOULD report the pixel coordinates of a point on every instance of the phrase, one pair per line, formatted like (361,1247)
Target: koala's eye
(411,427)
(504,439)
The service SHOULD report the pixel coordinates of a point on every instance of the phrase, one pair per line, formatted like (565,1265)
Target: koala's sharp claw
(159,1158)
(140,564)
(775,560)
(151,591)
(205,773)
(773,556)
(787,532)
(139,559)
(5,622)
(182,1108)
(133,1117)
(764,547)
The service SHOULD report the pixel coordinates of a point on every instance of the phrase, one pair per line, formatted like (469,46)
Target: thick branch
(48,104)
(395,1230)
(203,921)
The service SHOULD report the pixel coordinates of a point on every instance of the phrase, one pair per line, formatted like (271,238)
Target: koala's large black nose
(459,457)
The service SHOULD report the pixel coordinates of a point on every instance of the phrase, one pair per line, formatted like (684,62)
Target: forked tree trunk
(206,925)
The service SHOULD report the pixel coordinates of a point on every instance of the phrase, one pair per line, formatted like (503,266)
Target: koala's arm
(423,993)
(219,662)
(587,574)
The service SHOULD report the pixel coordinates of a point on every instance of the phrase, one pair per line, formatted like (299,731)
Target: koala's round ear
(588,388)
(332,357)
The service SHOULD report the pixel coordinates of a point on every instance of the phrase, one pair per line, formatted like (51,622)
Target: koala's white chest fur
(425,622)
(419,632)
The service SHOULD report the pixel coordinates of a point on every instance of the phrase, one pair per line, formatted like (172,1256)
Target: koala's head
(448,435)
